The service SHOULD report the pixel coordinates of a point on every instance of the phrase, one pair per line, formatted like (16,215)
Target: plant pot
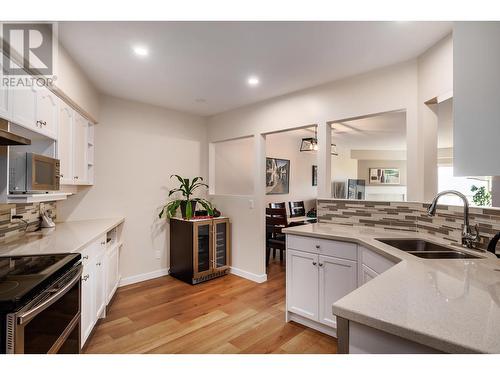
(183,208)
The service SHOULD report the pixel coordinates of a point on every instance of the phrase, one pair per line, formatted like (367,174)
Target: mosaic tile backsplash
(410,217)
(30,212)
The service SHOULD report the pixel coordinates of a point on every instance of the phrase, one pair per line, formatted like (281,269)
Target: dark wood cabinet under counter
(199,249)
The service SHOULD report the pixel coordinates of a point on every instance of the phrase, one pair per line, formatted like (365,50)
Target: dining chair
(297,209)
(277,205)
(276,221)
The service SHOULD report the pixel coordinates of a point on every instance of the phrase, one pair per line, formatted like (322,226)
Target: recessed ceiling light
(140,51)
(253,81)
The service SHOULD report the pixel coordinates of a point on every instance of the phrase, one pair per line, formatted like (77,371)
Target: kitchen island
(416,305)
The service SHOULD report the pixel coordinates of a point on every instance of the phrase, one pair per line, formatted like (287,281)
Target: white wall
(435,78)
(343,166)
(286,145)
(234,167)
(138,147)
(74,83)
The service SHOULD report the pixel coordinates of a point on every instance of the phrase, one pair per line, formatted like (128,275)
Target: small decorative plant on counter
(188,204)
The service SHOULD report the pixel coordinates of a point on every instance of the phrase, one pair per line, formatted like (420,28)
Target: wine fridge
(199,249)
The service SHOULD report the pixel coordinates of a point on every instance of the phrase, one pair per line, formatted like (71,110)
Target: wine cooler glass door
(221,243)
(203,248)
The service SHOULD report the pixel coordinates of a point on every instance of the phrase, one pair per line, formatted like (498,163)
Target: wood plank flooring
(225,315)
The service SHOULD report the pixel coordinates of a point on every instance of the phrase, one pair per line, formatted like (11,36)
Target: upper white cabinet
(80,146)
(65,143)
(476,89)
(46,112)
(23,107)
(4,95)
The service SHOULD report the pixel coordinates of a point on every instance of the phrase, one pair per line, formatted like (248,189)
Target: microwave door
(44,172)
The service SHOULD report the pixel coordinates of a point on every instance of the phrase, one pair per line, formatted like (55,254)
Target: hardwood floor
(225,315)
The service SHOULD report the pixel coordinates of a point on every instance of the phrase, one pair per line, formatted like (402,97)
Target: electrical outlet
(157,254)
(12,213)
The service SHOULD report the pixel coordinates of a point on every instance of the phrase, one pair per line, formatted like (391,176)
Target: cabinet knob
(76,177)
(321,264)
(314,263)
(318,246)
(103,243)
(62,175)
(98,264)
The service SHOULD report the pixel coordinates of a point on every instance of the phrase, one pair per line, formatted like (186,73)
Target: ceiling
(202,67)
(383,132)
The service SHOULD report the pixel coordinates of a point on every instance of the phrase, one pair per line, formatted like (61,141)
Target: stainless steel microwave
(31,173)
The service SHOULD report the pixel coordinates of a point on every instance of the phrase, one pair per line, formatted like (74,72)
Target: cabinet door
(202,247)
(24,107)
(88,300)
(46,112)
(4,94)
(112,273)
(221,243)
(337,277)
(99,286)
(65,143)
(80,134)
(367,274)
(302,283)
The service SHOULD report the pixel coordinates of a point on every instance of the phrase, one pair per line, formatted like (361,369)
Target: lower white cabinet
(302,283)
(319,272)
(100,279)
(337,278)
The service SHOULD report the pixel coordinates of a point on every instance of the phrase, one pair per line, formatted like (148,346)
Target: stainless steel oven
(50,323)
(29,172)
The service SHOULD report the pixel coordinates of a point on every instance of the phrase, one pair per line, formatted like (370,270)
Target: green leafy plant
(186,188)
(481,196)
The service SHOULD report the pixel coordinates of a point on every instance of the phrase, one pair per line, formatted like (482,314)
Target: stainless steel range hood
(10,139)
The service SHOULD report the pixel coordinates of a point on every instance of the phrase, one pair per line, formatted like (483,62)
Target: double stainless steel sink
(427,250)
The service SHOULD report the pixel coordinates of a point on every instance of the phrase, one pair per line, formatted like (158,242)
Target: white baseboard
(249,275)
(330,331)
(143,277)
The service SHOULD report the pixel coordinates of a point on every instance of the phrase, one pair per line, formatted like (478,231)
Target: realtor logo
(32,44)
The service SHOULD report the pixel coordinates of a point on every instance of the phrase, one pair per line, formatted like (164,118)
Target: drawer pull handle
(85,278)
(85,257)
(103,243)
(314,263)
(318,246)
(321,264)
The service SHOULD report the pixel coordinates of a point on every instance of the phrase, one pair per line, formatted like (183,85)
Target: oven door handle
(27,315)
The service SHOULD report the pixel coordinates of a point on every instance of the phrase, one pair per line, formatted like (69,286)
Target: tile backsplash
(30,212)
(410,217)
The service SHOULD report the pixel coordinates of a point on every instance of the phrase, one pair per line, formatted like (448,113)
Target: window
(446,181)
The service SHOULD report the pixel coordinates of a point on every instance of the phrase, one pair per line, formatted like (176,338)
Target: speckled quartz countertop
(66,237)
(452,305)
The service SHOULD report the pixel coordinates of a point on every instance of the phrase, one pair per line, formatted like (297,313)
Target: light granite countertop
(452,305)
(66,237)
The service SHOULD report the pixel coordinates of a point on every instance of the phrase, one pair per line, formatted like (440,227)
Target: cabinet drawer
(339,249)
(375,261)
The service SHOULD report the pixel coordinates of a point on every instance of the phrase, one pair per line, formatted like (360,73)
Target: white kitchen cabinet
(65,143)
(100,286)
(302,284)
(100,279)
(337,278)
(46,112)
(23,107)
(80,141)
(4,94)
(88,317)
(366,274)
(112,272)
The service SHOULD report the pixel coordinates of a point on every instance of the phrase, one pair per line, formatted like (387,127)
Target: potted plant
(188,204)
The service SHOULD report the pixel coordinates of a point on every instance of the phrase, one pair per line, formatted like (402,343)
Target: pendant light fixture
(310,143)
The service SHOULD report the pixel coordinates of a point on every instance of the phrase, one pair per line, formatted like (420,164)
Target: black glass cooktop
(22,277)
